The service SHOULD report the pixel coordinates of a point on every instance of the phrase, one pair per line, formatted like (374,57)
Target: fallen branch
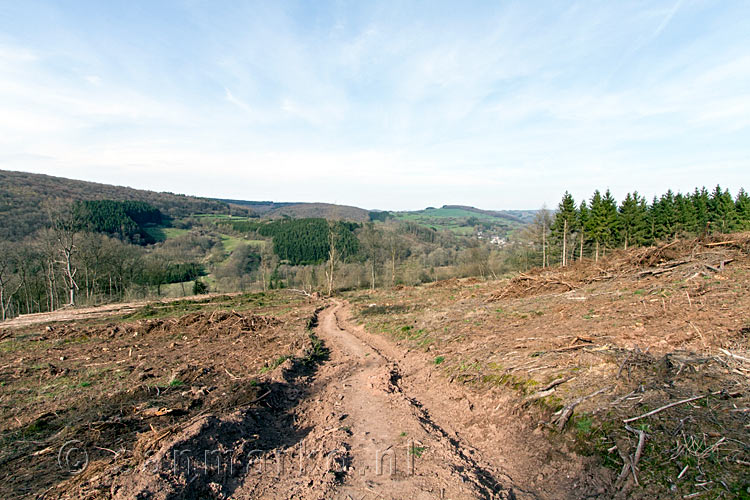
(670,405)
(548,389)
(567,411)
(639,449)
(261,396)
(555,383)
(569,348)
(719,243)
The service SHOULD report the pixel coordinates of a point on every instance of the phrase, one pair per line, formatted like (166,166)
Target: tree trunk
(596,256)
(580,253)
(332,256)
(393,268)
(565,243)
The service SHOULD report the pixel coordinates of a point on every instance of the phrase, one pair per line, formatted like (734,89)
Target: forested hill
(270,209)
(23,197)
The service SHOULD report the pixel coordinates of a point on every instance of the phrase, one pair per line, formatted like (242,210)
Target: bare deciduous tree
(65,227)
(332,256)
(9,282)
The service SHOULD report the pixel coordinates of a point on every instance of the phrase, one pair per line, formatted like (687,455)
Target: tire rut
(449,467)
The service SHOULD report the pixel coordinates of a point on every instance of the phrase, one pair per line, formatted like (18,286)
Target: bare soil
(627,378)
(572,353)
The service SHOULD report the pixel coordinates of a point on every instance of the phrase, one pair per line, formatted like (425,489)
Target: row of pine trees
(589,228)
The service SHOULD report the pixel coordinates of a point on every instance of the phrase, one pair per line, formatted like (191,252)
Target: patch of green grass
(583,425)
(85,383)
(231,242)
(176,383)
(273,364)
(159,233)
(469,366)
(78,339)
(439,359)
(403,434)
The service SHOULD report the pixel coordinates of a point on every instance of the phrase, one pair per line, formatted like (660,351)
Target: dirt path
(395,448)
(368,419)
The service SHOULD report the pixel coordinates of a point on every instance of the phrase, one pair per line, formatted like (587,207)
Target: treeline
(303,241)
(122,219)
(67,263)
(590,228)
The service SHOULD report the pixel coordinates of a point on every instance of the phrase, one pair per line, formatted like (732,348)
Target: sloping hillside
(22,198)
(463,220)
(272,209)
(640,360)
(524,216)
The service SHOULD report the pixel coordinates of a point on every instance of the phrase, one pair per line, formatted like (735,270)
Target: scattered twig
(115,453)
(670,405)
(735,356)
(622,365)
(683,472)
(261,396)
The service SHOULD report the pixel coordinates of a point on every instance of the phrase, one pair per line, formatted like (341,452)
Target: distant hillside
(524,216)
(467,220)
(260,208)
(22,198)
(298,210)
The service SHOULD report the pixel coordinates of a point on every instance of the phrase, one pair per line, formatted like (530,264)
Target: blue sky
(392,105)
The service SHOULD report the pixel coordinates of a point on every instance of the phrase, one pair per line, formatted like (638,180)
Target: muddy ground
(627,378)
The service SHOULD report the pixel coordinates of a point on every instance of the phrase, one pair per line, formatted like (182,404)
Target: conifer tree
(581,223)
(742,207)
(722,212)
(564,225)
(665,216)
(612,220)
(597,222)
(633,219)
(686,220)
(700,200)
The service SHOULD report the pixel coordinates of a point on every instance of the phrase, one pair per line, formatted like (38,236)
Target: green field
(444,213)
(159,233)
(458,220)
(232,242)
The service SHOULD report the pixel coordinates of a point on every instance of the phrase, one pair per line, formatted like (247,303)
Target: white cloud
(388,108)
